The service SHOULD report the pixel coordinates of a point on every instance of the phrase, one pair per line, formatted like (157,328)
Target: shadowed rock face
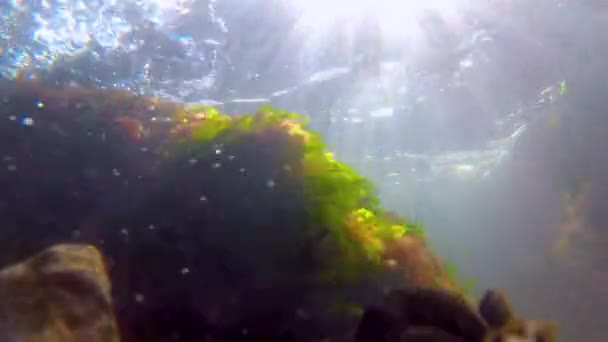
(495,309)
(432,315)
(61,294)
(505,326)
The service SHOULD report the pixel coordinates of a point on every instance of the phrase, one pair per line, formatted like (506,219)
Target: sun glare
(394,16)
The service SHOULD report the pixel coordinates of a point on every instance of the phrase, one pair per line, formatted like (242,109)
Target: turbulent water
(433,115)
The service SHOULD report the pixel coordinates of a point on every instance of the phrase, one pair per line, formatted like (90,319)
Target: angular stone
(61,294)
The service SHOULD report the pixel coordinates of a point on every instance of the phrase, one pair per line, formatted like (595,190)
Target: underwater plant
(343,207)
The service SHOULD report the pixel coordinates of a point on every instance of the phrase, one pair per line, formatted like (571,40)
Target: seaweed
(342,205)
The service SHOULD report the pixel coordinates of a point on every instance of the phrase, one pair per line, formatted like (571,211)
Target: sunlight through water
(370,81)
(395,16)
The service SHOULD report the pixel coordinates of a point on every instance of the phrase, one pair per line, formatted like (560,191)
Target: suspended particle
(185,271)
(139,297)
(27,121)
(216,165)
(40,105)
(302,314)
(12,168)
(115,172)
(270,183)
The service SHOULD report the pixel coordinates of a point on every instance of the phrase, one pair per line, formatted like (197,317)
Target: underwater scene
(303,170)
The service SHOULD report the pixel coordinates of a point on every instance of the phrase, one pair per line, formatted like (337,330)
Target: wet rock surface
(61,294)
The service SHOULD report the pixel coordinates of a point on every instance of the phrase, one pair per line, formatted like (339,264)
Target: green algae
(342,205)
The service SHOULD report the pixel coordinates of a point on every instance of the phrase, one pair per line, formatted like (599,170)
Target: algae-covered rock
(61,294)
(206,220)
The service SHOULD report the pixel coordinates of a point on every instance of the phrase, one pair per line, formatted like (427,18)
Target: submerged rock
(61,294)
(433,315)
(506,326)
(495,309)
